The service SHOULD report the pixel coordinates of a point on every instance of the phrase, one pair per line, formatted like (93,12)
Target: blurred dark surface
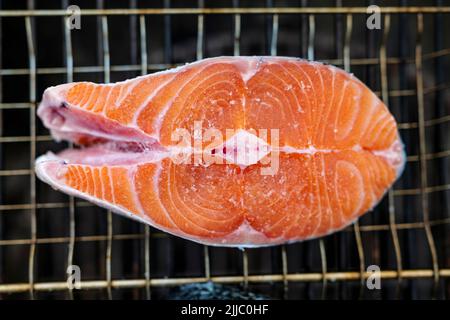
(212,291)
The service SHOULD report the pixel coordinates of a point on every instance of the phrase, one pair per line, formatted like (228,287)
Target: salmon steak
(227,151)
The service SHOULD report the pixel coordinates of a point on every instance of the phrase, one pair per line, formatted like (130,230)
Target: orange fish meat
(228,151)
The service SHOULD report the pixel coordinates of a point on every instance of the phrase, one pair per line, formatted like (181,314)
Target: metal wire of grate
(407,235)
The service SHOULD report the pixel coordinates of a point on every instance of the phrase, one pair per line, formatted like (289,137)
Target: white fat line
(319,96)
(371,109)
(171,182)
(313,89)
(93,180)
(339,106)
(310,150)
(302,87)
(96,101)
(286,149)
(337,192)
(81,106)
(327,196)
(362,191)
(280,93)
(389,154)
(101,182)
(138,111)
(321,133)
(123,95)
(111,183)
(169,103)
(131,173)
(381,133)
(317,195)
(162,114)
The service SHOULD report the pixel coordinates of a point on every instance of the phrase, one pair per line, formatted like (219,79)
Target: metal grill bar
(284,264)
(1,146)
(69,71)
(200,32)
(198,11)
(144,61)
(167,34)
(32,64)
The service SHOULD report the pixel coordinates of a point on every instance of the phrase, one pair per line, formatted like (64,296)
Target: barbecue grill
(42,231)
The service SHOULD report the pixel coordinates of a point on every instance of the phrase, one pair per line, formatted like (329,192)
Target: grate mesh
(43,231)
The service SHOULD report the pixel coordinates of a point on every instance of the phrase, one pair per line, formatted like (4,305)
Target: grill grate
(42,231)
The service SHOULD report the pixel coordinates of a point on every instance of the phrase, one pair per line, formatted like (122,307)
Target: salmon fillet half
(228,151)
